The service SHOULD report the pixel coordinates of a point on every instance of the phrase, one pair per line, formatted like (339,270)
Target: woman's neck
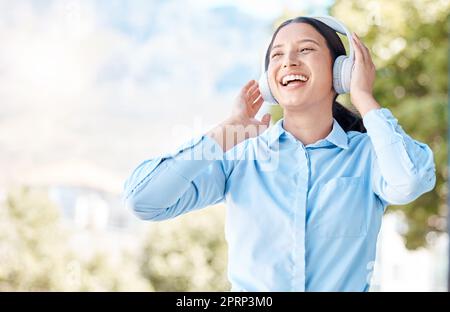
(308,127)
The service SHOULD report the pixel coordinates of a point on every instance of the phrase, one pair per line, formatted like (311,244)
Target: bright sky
(269,9)
(83,81)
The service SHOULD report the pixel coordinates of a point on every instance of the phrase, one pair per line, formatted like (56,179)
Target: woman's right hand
(242,124)
(247,105)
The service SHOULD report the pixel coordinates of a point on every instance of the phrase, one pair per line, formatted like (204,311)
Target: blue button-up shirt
(299,218)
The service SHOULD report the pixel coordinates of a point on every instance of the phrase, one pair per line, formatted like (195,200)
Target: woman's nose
(291,59)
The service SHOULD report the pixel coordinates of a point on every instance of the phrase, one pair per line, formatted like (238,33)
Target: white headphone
(342,67)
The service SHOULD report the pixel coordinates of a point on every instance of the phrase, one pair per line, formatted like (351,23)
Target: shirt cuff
(382,127)
(195,155)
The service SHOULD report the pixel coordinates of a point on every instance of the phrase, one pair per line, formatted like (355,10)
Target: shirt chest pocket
(342,210)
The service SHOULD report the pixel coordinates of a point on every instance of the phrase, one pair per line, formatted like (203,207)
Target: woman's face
(300,71)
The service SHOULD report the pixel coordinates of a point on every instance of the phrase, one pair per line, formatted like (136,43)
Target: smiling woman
(306,215)
(317,51)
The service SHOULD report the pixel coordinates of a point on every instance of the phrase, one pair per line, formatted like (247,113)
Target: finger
(365,51)
(255,101)
(248,86)
(252,89)
(250,83)
(255,93)
(358,46)
(258,102)
(359,56)
(362,43)
(367,55)
(255,107)
(266,119)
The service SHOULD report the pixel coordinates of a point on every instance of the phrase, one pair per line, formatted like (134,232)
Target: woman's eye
(276,54)
(306,49)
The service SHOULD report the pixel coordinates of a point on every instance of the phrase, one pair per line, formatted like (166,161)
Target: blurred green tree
(188,253)
(408,40)
(35,253)
(30,243)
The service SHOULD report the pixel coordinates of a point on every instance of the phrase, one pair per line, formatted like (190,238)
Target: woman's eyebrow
(303,40)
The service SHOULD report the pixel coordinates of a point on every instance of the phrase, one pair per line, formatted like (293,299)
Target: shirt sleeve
(190,178)
(403,168)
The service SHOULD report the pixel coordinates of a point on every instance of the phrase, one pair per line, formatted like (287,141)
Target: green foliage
(35,253)
(30,243)
(188,253)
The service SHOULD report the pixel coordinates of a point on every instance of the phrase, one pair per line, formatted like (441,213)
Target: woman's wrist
(365,104)
(224,133)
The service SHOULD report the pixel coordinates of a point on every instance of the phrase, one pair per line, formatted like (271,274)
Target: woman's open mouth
(293,81)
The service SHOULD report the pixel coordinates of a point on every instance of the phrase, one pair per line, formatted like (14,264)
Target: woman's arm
(403,168)
(168,186)
(195,175)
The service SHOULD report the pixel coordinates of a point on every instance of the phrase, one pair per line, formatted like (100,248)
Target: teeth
(289,78)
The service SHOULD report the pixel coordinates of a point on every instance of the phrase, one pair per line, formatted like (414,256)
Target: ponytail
(348,120)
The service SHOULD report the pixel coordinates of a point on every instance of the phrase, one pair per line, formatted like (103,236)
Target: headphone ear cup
(337,74)
(342,74)
(264,88)
(347,68)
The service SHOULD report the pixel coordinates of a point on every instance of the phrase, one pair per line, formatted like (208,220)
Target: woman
(305,198)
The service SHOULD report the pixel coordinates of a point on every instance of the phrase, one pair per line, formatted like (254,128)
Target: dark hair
(348,120)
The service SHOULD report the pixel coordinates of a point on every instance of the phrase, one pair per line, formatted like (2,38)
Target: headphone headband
(338,27)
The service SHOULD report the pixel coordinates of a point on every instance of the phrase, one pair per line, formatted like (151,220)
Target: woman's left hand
(363,77)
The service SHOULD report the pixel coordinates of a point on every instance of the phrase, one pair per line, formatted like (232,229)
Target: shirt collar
(337,136)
